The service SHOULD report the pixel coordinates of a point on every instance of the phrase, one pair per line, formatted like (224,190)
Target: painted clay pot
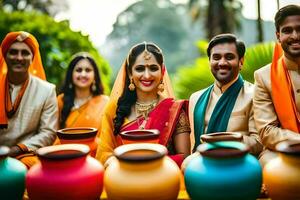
(65,172)
(140,136)
(142,171)
(12,176)
(282,174)
(223,170)
(222,136)
(79,135)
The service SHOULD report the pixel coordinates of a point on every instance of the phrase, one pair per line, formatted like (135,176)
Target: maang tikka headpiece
(146,53)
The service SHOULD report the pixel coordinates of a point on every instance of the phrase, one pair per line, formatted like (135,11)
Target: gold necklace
(144,110)
(79,102)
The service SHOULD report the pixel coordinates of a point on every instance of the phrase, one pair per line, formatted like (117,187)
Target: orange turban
(36,68)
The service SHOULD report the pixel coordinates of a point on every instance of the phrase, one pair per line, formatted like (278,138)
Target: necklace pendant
(142,126)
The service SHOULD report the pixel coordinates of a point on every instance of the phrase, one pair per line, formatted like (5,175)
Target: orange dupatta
(282,93)
(36,68)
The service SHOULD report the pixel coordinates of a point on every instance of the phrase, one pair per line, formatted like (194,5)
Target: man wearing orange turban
(277,92)
(28,106)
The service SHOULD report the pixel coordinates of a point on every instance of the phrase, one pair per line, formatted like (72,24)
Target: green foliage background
(189,79)
(57,43)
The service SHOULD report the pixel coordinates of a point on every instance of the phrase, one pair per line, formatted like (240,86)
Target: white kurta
(35,122)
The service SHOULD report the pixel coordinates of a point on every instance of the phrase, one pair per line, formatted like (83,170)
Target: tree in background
(57,43)
(49,7)
(190,79)
(159,21)
(260,33)
(220,16)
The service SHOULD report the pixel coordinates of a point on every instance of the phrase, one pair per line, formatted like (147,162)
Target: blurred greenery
(221,16)
(50,7)
(57,43)
(189,79)
(256,57)
(176,34)
(159,21)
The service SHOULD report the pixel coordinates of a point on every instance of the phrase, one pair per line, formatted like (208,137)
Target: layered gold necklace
(144,109)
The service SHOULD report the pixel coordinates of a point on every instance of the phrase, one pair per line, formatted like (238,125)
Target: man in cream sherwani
(28,113)
(277,86)
(225,106)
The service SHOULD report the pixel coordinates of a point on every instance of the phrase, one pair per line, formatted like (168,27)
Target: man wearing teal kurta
(226,105)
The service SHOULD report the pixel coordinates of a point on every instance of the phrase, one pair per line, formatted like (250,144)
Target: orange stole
(10,107)
(28,159)
(282,93)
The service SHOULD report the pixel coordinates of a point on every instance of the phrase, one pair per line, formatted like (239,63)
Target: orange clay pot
(140,136)
(79,135)
(282,175)
(142,171)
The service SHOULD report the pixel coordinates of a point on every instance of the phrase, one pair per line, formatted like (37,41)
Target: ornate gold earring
(161,87)
(131,86)
(94,87)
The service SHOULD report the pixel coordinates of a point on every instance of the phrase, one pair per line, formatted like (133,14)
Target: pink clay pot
(65,172)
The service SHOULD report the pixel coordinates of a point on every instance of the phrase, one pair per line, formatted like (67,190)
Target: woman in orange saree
(142,98)
(81,102)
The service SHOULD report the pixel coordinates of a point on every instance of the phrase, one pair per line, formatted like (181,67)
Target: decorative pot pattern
(65,172)
(224,170)
(142,171)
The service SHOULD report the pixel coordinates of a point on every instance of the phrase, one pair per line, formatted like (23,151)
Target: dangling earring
(70,85)
(161,86)
(94,87)
(131,86)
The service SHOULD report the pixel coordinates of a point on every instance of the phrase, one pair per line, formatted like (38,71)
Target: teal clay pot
(223,170)
(12,176)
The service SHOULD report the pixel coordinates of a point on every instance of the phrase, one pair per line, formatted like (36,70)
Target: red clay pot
(65,172)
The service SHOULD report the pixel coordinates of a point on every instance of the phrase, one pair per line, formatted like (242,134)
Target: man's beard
(293,54)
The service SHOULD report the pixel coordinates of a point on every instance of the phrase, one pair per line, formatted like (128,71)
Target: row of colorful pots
(221,170)
(88,136)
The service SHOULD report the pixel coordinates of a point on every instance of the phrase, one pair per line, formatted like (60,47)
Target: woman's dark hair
(68,87)
(128,97)
(227,38)
(284,12)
